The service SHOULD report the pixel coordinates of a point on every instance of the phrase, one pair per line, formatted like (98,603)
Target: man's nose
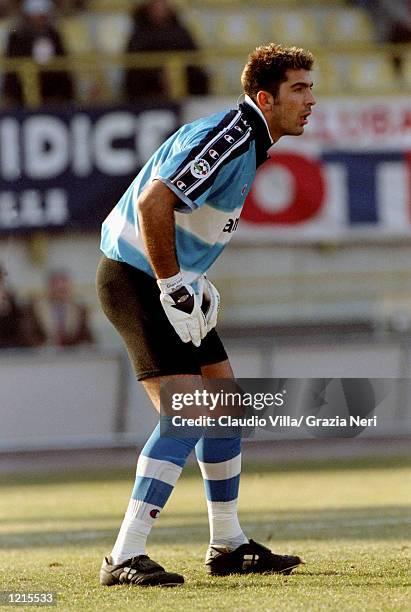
(311,100)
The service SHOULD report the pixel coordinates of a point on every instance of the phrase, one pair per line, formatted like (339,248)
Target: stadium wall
(89,398)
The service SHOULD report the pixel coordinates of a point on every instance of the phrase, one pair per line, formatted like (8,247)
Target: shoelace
(144,563)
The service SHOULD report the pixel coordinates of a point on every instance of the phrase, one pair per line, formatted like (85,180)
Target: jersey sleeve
(192,171)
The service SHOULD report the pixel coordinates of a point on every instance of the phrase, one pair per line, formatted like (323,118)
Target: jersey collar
(254,116)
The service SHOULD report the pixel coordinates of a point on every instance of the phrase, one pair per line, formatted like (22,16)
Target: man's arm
(156,206)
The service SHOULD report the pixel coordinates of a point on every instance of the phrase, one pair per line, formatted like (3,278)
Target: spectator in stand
(36,37)
(58,318)
(13,328)
(157,27)
(392,19)
(397,15)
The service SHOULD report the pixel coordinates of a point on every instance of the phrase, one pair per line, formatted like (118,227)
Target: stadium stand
(112,32)
(95,34)
(236,28)
(371,74)
(328,75)
(224,75)
(290,25)
(406,70)
(348,26)
(76,34)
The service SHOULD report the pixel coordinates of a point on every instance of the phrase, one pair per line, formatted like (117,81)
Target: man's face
(292,106)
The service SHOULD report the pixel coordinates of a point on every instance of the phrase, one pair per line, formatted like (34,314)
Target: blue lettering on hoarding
(362,169)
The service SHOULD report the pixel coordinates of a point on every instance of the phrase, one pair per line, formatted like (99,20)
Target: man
(59,318)
(36,37)
(152,288)
(158,27)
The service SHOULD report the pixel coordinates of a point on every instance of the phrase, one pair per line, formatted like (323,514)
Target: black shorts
(130,300)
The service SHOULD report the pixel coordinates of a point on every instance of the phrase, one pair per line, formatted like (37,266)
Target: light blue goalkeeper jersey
(210,165)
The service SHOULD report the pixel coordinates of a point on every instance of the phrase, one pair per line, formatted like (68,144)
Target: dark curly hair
(267,65)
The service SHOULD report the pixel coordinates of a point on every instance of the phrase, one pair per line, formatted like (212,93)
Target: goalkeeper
(158,242)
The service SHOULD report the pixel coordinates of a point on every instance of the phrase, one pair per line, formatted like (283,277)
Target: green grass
(351,522)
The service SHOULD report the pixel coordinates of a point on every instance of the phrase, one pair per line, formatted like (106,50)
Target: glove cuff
(169,285)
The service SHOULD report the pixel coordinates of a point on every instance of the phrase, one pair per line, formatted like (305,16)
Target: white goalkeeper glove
(183,309)
(210,304)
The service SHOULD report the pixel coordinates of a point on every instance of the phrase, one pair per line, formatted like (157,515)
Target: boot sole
(285,572)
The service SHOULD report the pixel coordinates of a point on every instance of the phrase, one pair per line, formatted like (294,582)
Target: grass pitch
(351,522)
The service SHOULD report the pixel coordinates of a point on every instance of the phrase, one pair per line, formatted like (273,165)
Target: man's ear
(265,100)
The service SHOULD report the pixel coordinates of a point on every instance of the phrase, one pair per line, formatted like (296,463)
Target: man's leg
(130,300)
(220,464)
(158,468)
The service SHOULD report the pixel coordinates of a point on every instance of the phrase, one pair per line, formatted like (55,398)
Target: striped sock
(158,469)
(220,464)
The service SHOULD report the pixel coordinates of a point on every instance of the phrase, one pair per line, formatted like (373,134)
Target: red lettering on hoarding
(406,121)
(349,124)
(306,197)
(380,121)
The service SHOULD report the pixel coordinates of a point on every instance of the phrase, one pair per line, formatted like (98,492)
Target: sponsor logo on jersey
(190,177)
(231,225)
(200,168)
(154,512)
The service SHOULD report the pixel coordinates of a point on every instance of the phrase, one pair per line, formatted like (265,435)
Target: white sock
(225,529)
(155,480)
(134,530)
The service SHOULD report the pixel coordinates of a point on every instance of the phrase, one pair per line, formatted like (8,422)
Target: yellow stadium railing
(98,65)
(97,6)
